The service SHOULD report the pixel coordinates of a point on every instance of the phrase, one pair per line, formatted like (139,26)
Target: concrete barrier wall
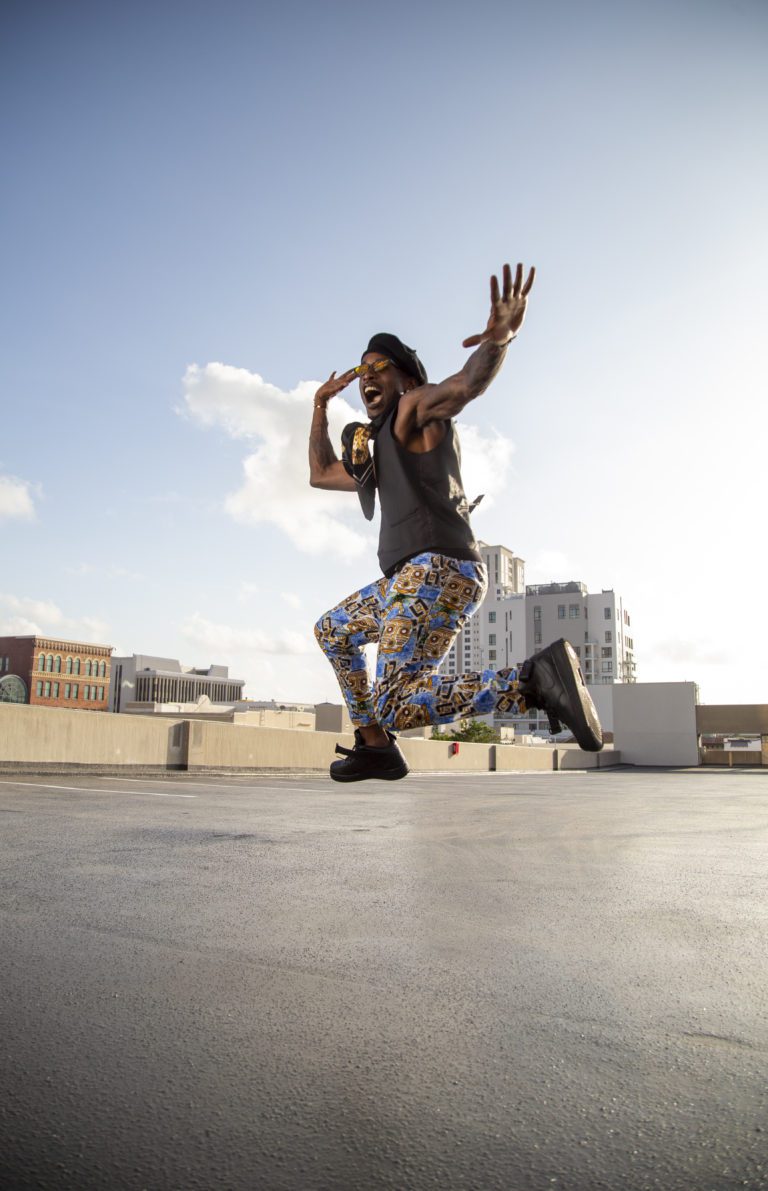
(432,755)
(730,757)
(213,746)
(575,758)
(511,757)
(53,735)
(230,746)
(39,737)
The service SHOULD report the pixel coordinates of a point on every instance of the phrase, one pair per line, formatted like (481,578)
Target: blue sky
(207,207)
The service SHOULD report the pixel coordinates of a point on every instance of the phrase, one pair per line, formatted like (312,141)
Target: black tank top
(421,494)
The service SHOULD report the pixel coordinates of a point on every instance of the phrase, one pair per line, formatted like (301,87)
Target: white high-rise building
(597,625)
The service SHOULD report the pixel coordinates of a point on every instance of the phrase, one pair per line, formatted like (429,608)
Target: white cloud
(290,598)
(485,464)
(109,572)
(275,488)
(15,499)
(246,591)
(549,566)
(227,640)
(686,650)
(23,616)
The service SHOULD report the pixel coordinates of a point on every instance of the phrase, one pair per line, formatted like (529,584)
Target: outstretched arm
(325,468)
(447,399)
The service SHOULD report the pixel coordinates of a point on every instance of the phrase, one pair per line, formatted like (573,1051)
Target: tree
(470,732)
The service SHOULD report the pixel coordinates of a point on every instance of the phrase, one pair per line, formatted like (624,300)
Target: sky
(207,207)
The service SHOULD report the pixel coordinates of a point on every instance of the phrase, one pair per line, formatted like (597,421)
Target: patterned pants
(415,616)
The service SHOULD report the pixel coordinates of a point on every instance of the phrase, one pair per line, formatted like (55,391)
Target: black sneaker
(552,681)
(363,761)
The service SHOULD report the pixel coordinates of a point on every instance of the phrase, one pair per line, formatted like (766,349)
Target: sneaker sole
(393,776)
(588,733)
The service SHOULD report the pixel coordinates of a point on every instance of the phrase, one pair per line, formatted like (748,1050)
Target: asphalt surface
(503,981)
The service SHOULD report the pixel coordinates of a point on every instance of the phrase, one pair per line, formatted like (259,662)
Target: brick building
(54,673)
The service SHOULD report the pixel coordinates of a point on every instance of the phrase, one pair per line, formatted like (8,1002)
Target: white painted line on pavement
(233,785)
(93,790)
(203,784)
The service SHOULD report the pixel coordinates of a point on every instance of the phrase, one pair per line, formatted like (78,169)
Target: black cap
(399,353)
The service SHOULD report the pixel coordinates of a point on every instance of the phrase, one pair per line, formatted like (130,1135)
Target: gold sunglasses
(378,366)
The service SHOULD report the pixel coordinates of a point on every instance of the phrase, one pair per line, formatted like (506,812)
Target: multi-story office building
(51,672)
(597,625)
(144,679)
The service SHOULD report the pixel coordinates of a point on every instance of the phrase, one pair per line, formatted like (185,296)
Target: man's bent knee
(322,630)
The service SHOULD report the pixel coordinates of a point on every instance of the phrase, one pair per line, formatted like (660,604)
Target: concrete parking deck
(505,981)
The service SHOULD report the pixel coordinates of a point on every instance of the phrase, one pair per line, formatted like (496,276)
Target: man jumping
(434,578)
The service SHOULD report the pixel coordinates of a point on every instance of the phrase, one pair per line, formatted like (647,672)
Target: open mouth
(371,393)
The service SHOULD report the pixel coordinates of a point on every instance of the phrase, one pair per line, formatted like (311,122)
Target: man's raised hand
(333,385)
(507,308)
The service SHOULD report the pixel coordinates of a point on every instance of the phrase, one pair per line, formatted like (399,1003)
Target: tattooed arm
(325,468)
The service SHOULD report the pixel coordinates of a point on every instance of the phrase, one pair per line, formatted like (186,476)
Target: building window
(57,665)
(608,635)
(607,667)
(491,618)
(47,690)
(69,665)
(573,611)
(41,662)
(102,670)
(492,655)
(561,611)
(39,690)
(101,692)
(491,638)
(607,613)
(88,669)
(49,663)
(607,652)
(67,689)
(77,665)
(75,690)
(55,690)
(537,612)
(537,635)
